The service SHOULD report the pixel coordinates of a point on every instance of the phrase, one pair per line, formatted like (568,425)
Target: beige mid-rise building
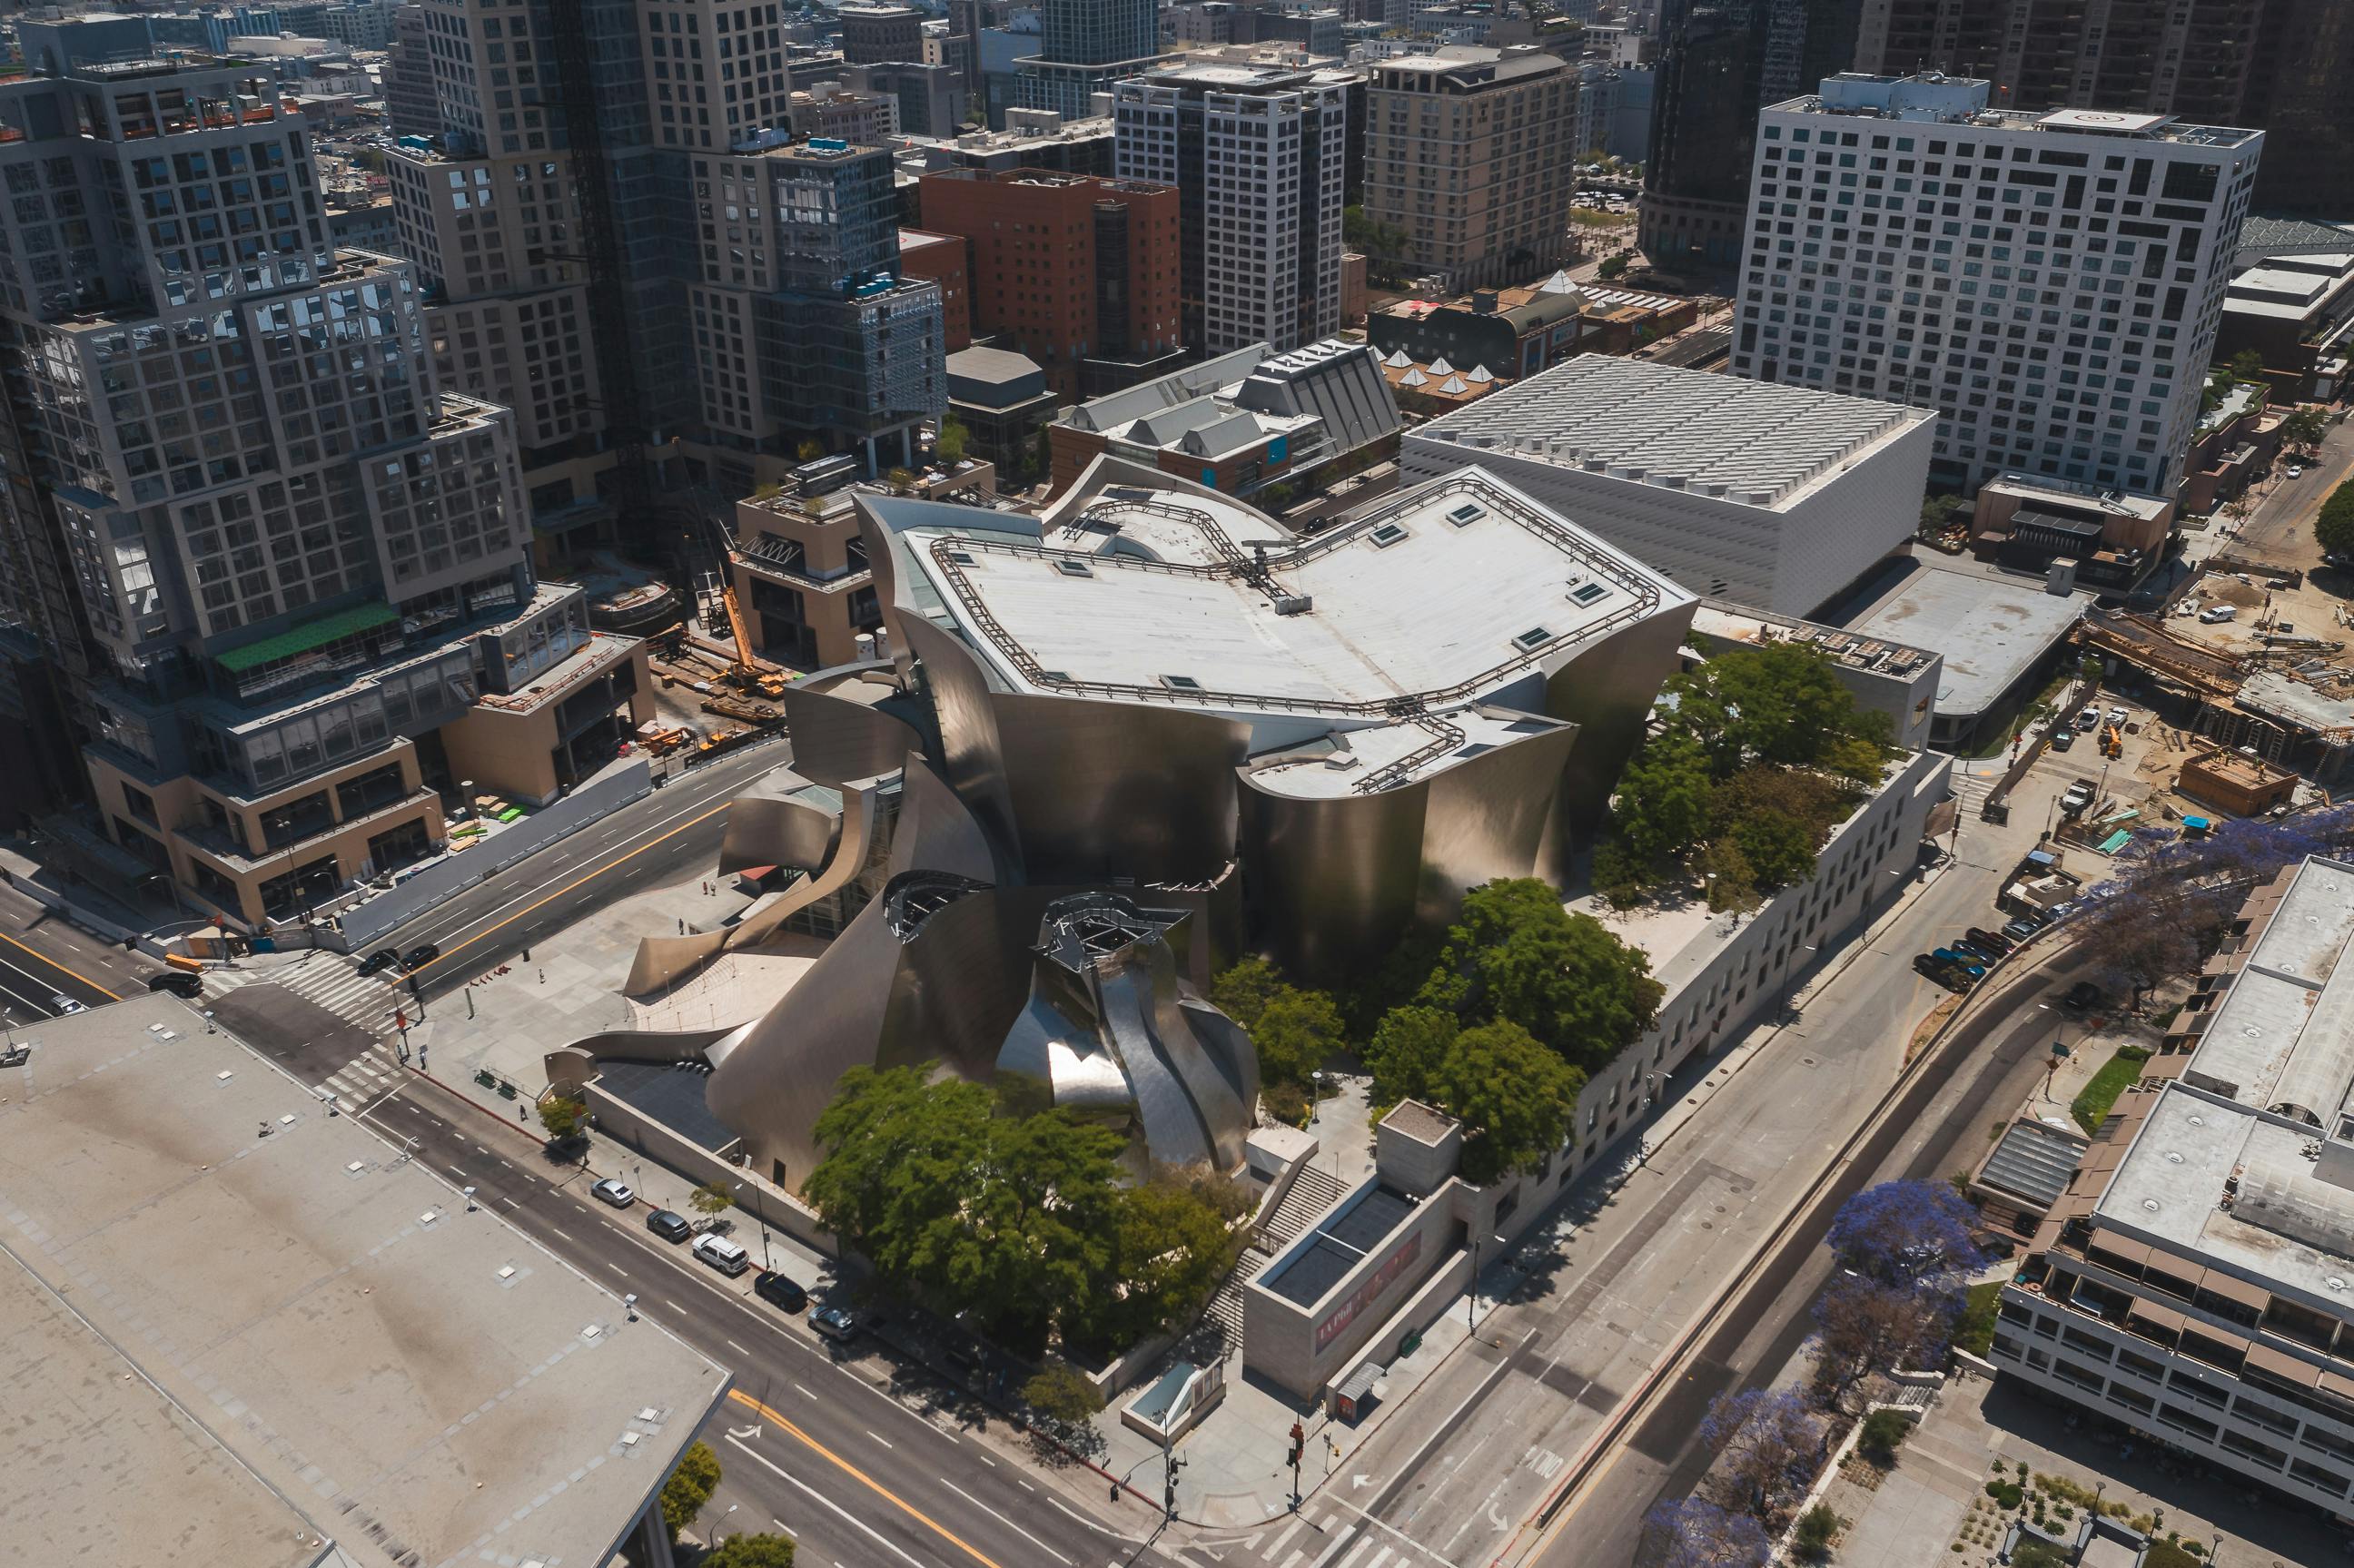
(1469,155)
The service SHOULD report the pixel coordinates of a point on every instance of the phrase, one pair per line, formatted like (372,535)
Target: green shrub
(1884,1432)
(1816,1527)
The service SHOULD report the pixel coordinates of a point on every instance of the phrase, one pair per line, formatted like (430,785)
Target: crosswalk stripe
(1293,1560)
(1279,1542)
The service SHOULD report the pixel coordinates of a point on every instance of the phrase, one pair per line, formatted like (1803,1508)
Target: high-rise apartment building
(1719,61)
(1468,155)
(1079,274)
(2281,66)
(1258,155)
(873,34)
(2049,282)
(263,553)
(1085,45)
(410,108)
(803,328)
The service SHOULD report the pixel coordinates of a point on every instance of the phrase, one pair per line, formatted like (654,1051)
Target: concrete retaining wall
(452,874)
(770,1205)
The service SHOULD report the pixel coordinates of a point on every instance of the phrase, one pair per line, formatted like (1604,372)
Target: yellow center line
(575,882)
(740,1397)
(77,974)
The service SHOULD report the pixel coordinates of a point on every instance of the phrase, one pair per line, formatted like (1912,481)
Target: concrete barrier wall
(626,1125)
(452,874)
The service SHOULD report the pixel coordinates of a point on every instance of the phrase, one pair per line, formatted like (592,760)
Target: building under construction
(2249,701)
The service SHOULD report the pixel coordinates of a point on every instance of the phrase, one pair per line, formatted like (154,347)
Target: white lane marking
(1004,1521)
(879,1440)
(852,1519)
(734,1347)
(805,1393)
(619,1269)
(674,1306)
(986,1460)
(559,1233)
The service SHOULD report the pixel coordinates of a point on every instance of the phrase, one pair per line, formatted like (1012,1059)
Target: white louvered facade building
(1775,497)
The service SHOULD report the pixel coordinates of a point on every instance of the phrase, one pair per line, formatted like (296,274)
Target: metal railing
(1644,596)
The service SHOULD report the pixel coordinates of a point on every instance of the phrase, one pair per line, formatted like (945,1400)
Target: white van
(722,1255)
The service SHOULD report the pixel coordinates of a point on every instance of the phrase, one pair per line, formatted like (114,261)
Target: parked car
(62,1003)
(179,982)
(837,1323)
(774,1287)
(1952,977)
(2079,797)
(2296,470)
(2081,995)
(2118,717)
(2020,929)
(1992,939)
(1974,952)
(671,1227)
(2089,718)
(418,957)
(2063,739)
(617,1194)
(381,960)
(2218,612)
(728,1257)
(1962,961)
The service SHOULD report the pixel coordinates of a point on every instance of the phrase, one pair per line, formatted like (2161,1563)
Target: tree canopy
(1519,1099)
(689,1486)
(1767,1444)
(1692,1532)
(2301,429)
(1026,1219)
(1905,1233)
(1515,955)
(1759,750)
(2333,526)
(767,1551)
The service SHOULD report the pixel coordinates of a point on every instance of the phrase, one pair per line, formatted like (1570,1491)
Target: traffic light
(1298,1439)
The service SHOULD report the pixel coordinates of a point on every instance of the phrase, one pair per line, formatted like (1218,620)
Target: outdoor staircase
(1313,1191)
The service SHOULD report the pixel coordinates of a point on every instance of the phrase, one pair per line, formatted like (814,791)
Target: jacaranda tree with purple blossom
(1866,1326)
(2171,896)
(1906,1233)
(1692,1532)
(1767,1444)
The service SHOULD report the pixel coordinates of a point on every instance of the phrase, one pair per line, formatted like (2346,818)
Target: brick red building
(941,258)
(1075,272)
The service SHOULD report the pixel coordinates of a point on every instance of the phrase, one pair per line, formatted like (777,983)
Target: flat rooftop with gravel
(251,1335)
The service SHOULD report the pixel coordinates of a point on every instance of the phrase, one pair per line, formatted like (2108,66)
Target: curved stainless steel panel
(764,830)
(972,755)
(1106,790)
(1487,818)
(935,833)
(1332,880)
(836,740)
(1607,691)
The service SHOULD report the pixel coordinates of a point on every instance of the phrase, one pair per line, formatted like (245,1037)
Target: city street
(1497,1429)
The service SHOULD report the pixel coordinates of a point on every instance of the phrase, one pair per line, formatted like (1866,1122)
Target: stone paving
(1933,1507)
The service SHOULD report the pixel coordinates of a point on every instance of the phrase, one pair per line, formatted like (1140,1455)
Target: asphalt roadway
(669,835)
(1937,1125)
(833,1447)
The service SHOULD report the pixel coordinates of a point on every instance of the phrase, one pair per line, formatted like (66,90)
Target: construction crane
(747,673)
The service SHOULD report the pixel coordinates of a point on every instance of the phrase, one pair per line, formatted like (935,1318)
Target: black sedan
(774,1287)
(382,958)
(669,1226)
(418,957)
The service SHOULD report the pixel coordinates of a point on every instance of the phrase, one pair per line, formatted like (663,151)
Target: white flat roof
(1330,772)
(247,1338)
(1755,443)
(2279,1048)
(1447,592)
